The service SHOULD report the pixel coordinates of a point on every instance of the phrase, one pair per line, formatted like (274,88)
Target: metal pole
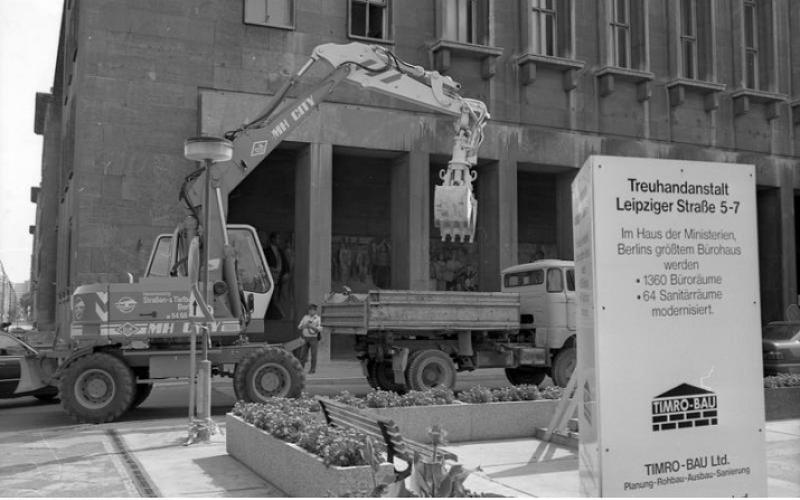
(204,407)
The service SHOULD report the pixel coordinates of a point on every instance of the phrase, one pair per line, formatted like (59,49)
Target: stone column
(410,213)
(497,232)
(788,237)
(564,215)
(312,229)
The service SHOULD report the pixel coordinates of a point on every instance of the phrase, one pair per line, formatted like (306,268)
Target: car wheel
(142,392)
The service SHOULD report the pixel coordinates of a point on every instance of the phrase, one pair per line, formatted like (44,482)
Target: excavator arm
(371,67)
(374,68)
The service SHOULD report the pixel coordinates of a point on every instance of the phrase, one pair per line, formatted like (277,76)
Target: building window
(543,18)
(549,27)
(759,70)
(274,13)
(369,19)
(621,33)
(696,28)
(465,21)
(750,44)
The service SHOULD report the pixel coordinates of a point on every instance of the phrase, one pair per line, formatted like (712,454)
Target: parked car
(780,346)
(22,371)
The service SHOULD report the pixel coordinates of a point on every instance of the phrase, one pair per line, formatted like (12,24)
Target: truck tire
(525,375)
(383,376)
(97,388)
(267,373)
(142,392)
(563,366)
(430,368)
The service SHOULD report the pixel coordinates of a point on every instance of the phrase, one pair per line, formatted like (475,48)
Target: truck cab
(546,291)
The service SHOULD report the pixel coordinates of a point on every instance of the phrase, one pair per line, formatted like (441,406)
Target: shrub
(782,380)
(480,394)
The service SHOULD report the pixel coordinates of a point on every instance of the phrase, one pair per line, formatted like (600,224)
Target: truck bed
(356,314)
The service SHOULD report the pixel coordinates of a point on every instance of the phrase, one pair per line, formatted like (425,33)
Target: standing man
(311,330)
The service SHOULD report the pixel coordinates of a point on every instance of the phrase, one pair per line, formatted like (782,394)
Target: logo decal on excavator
(259,148)
(125,305)
(127,329)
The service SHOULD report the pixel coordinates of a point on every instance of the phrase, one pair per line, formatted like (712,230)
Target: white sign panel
(669,339)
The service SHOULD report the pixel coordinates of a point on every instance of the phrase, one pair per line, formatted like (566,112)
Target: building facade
(349,194)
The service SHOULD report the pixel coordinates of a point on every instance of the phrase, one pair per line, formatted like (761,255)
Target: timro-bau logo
(684,406)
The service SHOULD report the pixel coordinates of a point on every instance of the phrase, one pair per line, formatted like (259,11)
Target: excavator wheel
(430,368)
(97,388)
(267,373)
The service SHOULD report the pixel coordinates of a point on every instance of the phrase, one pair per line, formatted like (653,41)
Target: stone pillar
(788,238)
(497,232)
(410,213)
(770,254)
(564,215)
(312,229)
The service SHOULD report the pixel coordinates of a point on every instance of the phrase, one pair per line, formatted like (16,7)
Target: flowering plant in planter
(291,420)
(782,380)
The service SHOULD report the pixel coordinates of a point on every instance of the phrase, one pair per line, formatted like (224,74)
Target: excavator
(123,337)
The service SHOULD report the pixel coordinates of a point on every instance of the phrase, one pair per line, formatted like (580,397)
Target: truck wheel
(371,380)
(525,375)
(270,372)
(97,388)
(430,368)
(563,366)
(142,392)
(383,375)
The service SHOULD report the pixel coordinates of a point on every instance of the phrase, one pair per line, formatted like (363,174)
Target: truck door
(556,299)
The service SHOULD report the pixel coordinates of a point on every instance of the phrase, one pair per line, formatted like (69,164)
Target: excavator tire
(525,375)
(97,388)
(383,376)
(430,368)
(267,373)
(563,366)
(142,392)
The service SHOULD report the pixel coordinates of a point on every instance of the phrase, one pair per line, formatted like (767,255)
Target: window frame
(388,21)
(251,22)
(536,277)
(538,17)
(751,49)
(618,26)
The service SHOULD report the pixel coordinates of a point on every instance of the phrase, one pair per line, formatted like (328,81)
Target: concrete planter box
(472,422)
(782,402)
(292,469)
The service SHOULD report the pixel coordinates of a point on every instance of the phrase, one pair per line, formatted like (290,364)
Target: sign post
(669,330)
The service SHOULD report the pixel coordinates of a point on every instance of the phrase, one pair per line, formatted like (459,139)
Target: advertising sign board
(669,329)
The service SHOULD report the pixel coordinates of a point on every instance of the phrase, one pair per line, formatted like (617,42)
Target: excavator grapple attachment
(455,211)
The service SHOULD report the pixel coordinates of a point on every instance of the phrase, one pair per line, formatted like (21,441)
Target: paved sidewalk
(148,459)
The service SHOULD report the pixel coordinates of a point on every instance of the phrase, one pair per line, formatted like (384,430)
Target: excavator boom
(371,67)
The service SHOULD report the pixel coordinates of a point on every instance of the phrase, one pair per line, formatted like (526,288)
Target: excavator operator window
(159,259)
(251,271)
